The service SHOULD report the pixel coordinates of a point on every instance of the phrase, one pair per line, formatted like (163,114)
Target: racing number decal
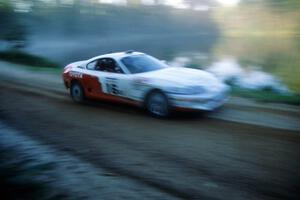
(112,86)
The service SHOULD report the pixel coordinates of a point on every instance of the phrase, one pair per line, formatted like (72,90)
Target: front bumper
(206,102)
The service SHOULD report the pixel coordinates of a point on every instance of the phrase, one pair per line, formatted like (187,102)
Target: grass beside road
(267,96)
(20,57)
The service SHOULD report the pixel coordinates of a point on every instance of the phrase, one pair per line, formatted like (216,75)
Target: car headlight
(186,90)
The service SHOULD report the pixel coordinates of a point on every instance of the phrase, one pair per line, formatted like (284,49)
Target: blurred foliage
(13,31)
(85,29)
(89,18)
(280,4)
(195,3)
(260,19)
(20,57)
(103,20)
(279,57)
(83,26)
(266,96)
(5,5)
(264,35)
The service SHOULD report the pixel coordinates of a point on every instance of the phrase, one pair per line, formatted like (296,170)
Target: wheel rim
(76,93)
(158,104)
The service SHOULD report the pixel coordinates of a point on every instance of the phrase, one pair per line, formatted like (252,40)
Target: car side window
(92,65)
(108,65)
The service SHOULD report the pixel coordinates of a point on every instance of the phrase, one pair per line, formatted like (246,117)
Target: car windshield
(142,63)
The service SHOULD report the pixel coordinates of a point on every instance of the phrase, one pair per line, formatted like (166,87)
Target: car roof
(118,55)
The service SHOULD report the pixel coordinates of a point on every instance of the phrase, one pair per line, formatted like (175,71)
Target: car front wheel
(157,104)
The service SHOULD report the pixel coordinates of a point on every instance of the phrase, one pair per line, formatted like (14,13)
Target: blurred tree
(193,3)
(133,2)
(290,4)
(11,30)
(157,2)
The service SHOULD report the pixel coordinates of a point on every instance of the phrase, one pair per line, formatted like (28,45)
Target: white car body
(184,87)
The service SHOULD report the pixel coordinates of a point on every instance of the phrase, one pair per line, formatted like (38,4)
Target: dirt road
(185,157)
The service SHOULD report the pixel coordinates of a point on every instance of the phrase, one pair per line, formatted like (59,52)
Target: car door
(90,81)
(112,82)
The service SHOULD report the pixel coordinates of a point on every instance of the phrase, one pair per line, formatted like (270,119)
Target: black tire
(77,92)
(157,104)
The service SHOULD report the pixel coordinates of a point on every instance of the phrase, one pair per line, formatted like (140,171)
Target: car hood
(182,77)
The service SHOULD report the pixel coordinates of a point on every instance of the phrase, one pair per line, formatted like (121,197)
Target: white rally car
(137,78)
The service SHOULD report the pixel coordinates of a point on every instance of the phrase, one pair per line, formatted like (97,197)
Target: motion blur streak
(53,148)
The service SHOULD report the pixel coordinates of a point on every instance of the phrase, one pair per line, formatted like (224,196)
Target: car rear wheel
(157,104)
(77,92)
